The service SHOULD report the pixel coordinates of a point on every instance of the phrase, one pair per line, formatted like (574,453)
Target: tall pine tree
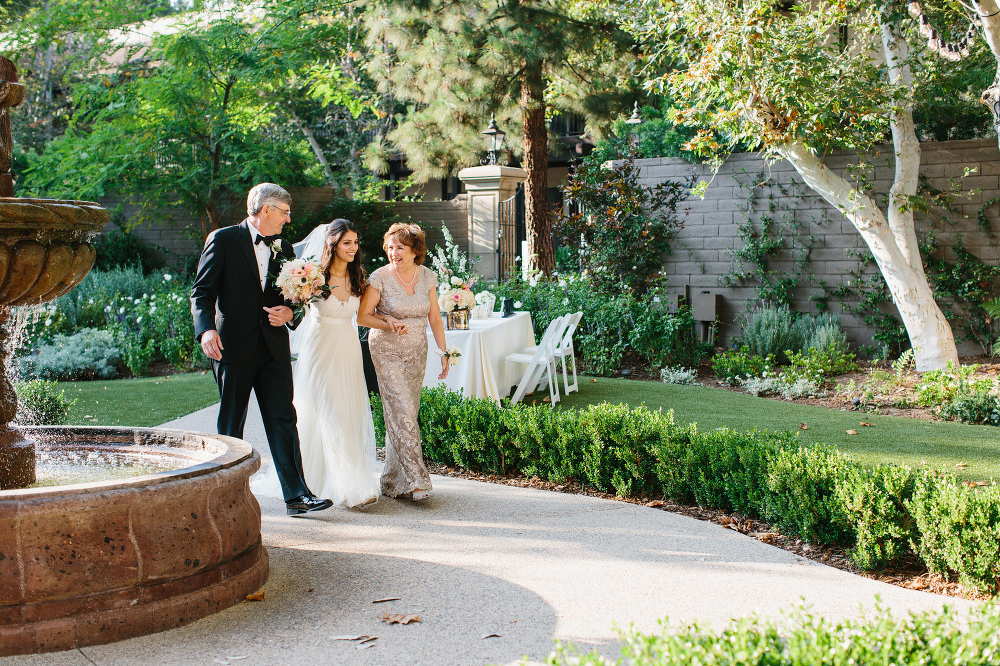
(454,62)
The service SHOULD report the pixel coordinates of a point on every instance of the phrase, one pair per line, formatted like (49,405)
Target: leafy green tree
(453,63)
(199,116)
(55,44)
(781,80)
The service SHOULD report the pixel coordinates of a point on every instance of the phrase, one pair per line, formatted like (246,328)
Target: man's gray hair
(266,194)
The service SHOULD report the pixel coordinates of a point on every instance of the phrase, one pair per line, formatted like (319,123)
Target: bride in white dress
(336,434)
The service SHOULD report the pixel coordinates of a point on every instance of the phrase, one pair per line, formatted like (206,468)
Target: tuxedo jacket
(227,296)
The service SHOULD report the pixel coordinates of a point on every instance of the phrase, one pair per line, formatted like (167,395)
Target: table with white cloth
(483,370)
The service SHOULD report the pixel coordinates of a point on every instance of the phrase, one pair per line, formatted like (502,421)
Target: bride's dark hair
(356,274)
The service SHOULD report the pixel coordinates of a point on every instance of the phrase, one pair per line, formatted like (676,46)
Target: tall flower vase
(458,320)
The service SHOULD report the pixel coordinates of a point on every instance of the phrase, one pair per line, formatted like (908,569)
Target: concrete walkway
(478,559)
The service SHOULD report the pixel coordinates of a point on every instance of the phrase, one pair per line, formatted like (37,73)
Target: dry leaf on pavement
(399,618)
(962,465)
(378,601)
(852,432)
(866,424)
(593,381)
(259,596)
(803,427)
(655,503)
(347,637)
(485,636)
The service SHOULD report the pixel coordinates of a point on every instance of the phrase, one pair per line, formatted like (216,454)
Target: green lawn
(891,439)
(147,401)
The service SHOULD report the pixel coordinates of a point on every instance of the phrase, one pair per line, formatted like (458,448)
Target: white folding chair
(564,349)
(541,365)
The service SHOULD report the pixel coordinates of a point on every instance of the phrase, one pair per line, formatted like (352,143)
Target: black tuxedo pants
(271,381)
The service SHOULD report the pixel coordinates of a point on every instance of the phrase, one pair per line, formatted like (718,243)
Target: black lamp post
(494,142)
(635,121)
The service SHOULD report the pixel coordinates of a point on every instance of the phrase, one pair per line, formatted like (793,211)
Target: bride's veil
(310,247)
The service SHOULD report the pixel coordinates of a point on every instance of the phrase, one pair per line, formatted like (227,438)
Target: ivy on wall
(773,237)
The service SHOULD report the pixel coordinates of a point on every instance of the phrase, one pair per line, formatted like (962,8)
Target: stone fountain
(111,559)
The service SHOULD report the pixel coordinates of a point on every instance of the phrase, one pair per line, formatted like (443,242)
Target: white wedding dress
(336,435)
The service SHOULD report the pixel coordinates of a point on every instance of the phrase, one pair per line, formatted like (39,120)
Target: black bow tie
(267,239)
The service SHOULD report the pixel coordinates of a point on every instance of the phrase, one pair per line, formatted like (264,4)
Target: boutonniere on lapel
(275,248)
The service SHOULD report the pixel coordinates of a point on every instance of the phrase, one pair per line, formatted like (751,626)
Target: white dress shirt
(263,253)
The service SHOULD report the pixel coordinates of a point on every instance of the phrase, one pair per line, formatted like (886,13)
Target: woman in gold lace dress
(405,294)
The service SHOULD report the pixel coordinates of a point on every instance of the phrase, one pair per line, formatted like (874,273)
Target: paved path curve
(478,559)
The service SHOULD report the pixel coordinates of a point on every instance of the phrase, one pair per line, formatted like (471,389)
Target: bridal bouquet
(302,282)
(457,297)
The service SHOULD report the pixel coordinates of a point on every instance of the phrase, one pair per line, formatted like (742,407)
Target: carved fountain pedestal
(44,252)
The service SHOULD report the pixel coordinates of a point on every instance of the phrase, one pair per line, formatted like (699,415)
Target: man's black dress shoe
(305,503)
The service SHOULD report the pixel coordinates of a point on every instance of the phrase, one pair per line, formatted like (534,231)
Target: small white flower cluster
(779,385)
(451,264)
(678,375)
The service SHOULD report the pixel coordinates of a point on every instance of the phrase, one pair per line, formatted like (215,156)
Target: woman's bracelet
(440,352)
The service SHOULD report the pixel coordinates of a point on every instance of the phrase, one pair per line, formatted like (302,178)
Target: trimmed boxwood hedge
(879,513)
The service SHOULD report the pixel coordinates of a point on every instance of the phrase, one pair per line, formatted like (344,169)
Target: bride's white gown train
(336,434)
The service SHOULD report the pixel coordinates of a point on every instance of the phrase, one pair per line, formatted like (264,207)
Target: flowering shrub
(939,387)
(612,324)
(819,365)
(732,366)
(144,319)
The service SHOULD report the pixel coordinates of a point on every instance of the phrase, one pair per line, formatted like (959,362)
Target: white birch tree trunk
(892,238)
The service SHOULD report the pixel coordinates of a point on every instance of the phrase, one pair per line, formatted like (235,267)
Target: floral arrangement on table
(302,282)
(458,296)
(451,263)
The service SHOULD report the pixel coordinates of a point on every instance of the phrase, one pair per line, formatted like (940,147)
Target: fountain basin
(99,562)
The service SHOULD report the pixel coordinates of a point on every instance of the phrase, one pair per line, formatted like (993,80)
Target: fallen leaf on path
(368,639)
(593,381)
(378,601)
(803,427)
(655,503)
(364,646)
(399,618)
(347,637)
(962,465)
(259,596)
(852,432)
(546,399)
(485,636)
(866,424)
(766,537)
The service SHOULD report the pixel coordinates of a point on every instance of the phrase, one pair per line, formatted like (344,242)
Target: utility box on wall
(706,308)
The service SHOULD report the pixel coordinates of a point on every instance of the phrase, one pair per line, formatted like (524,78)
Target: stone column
(487,186)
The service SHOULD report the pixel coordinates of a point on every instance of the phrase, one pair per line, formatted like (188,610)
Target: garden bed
(886,397)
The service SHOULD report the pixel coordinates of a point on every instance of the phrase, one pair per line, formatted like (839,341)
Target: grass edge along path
(141,402)
(970,452)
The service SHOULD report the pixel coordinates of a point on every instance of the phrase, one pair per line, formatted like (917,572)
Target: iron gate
(511,233)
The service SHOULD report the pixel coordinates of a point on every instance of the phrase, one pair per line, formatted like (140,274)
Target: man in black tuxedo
(241,320)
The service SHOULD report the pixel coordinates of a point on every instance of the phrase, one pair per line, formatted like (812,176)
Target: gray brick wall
(430,215)
(701,254)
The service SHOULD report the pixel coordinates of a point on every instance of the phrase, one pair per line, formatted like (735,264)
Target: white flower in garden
(122,311)
(517,304)
(48,322)
(91,301)
(138,319)
(533,282)
(145,296)
(167,277)
(565,301)
(457,281)
(107,308)
(136,301)
(633,268)
(562,283)
(152,309)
